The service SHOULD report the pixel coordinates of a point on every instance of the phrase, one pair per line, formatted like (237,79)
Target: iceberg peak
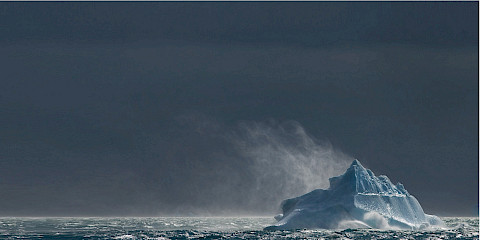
(355,199)
(356,163)
(360,180)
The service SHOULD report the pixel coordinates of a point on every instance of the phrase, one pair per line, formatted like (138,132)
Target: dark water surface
(207,228)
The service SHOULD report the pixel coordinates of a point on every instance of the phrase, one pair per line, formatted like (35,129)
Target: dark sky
(187,108)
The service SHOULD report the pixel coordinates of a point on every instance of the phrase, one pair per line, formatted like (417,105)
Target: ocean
(206,228)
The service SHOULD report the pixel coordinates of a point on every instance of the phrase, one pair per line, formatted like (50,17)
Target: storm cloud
(228,108)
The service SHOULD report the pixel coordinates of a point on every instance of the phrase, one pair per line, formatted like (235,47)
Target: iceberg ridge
(356,199)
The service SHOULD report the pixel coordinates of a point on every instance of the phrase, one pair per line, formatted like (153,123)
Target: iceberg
(356,199)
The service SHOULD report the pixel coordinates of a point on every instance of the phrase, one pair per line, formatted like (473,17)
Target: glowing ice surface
(356,199)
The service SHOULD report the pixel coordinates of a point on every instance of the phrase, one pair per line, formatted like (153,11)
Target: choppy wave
(207,228)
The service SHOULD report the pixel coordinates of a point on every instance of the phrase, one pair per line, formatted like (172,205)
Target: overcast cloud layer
(228,108)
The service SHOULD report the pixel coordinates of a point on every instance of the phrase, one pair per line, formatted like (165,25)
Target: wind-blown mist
(286,160)
(251,167)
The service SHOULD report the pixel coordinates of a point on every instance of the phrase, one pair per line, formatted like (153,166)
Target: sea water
(207,228)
